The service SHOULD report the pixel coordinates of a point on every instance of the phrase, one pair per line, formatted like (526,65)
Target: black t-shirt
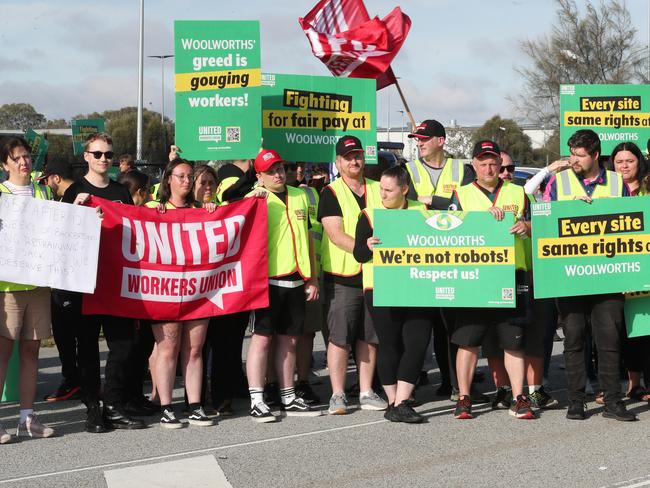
(115,192)
(329,206)
(362,252)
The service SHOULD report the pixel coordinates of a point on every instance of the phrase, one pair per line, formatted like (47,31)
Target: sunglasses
(98,154)
(509,169)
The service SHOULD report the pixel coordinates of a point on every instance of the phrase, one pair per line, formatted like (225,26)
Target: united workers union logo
(444,221)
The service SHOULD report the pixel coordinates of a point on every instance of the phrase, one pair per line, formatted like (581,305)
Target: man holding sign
(587,180)
(498,197)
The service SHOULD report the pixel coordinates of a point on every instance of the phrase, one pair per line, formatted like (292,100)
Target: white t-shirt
(25,191)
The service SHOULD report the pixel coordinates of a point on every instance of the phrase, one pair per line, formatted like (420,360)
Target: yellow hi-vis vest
(316,230)
(367,268)
(336,261)
(511,198)
(42,193)
(450,178)
(568,186)
(223,186)
(288,237)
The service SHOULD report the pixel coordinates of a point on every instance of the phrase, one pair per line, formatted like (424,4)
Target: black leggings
(404,335)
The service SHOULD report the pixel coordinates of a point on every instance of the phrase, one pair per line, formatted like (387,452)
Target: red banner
(180,265)
(344,37)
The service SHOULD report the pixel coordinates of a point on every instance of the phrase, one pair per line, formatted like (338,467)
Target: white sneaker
(372,401)
(5,437)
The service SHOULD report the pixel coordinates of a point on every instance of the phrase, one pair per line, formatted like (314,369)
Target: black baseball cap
(57,167)
(486,147)
(429,128)
(347,144)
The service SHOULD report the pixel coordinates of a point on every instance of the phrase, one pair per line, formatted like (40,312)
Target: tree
(550,151)
(598,47)
(509,136)
(20,116)
(458,143)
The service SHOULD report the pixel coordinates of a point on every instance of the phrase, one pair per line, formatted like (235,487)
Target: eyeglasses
(98,154)
(510,168)
(183,177)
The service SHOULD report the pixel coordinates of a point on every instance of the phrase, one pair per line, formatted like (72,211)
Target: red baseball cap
(265,159)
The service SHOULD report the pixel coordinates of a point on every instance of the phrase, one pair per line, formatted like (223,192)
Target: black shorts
(285,314)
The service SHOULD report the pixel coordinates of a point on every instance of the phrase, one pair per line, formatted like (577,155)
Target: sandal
(600,398)
(639,394)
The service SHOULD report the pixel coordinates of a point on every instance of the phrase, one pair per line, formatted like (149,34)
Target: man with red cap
(347,319)
(292,281)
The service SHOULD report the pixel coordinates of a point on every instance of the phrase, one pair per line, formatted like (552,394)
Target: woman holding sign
(628,161)
(26,308)
(186,337)
(403,333)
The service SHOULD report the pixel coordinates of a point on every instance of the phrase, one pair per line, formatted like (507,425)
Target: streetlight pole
(162,58)
(138,147)
(402,129)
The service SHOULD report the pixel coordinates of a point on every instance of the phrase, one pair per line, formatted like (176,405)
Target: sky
(70,57)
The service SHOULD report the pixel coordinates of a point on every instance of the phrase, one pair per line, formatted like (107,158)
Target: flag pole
(406,105)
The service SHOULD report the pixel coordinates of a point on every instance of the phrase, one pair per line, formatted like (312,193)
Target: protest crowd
(320,240)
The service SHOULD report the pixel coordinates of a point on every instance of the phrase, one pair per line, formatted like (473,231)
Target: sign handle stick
(406,105)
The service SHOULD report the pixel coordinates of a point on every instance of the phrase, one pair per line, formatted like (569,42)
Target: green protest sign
(589,249)
(81,129)
(304,116)
(217,105)
(637,313)
(38,146)
(443,259)
(618,113)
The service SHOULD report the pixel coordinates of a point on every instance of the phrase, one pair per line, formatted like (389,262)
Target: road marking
(198,472)
(636,485)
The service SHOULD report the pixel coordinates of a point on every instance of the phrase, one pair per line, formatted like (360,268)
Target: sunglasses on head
(510,168)
(98,154)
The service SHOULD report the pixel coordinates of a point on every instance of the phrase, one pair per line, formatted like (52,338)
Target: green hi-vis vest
(511,198)
(316,230)
(288,237)
(450,178)
(41,192)
(224,185)
(155,203)
(568,186)
(335,260)
(367,268)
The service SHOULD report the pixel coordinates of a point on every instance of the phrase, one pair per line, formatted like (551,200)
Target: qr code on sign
(507,294)
(233,134)
(371,151)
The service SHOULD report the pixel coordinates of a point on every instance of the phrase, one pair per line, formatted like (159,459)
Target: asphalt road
(357,450)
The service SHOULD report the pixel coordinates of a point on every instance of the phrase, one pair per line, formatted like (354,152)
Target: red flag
(180,265)
(344,37)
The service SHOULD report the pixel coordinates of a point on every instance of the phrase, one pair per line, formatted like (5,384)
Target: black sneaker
(65,391)
(169,421)
(542,400)
(299,408)
(576,410)
(304,391)
(272,394)
(198,417)
(95,420)
(502,399)
(262,413)
(463,408)
(618,411)
(403,413)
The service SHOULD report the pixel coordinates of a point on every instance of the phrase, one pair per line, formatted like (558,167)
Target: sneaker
(65,391)
(403,413)
(262,413)
(502,399)
(521,409)
(476,396)
(372,401)
(576,410)
(168,420)
(304,391)
(463,408)
(32,427)
(338,404)
(618,411)
(272,394)
(198,417)
(5,437)
(299,408)
(542,400)
(225,409)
